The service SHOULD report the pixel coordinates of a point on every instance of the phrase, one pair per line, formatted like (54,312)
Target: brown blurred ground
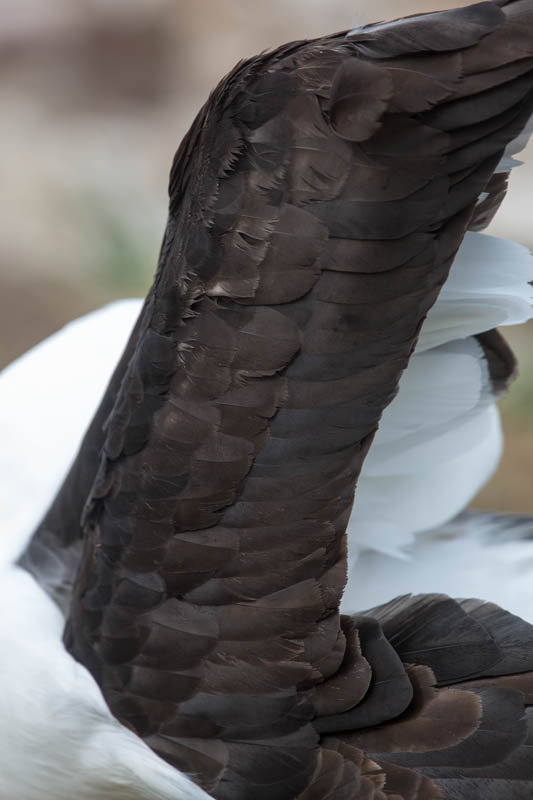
(95,96)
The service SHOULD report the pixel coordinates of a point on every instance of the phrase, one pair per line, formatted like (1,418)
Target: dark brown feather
(316,206)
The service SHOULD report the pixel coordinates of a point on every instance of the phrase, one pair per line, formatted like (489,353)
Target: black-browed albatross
(198,545)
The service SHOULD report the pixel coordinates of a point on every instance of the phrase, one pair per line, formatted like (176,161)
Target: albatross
(185,620)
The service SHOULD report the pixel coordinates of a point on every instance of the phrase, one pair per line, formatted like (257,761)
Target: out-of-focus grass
(113,257)
(116,263)
(124,258)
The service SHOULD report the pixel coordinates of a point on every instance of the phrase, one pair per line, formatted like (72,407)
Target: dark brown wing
(456,739)
(462,741)
(316,206)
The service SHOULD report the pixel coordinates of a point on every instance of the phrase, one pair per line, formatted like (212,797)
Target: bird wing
(316,206)
(463,732)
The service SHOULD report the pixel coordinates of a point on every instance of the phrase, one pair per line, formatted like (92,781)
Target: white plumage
(66,375)
(488,286)
(478,555)
(58,738)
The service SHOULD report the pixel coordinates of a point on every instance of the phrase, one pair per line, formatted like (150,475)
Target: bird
(186,614)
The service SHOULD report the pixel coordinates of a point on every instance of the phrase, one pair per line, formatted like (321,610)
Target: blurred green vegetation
(123,258)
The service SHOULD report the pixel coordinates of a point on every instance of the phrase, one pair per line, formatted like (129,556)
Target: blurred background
(95,97)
